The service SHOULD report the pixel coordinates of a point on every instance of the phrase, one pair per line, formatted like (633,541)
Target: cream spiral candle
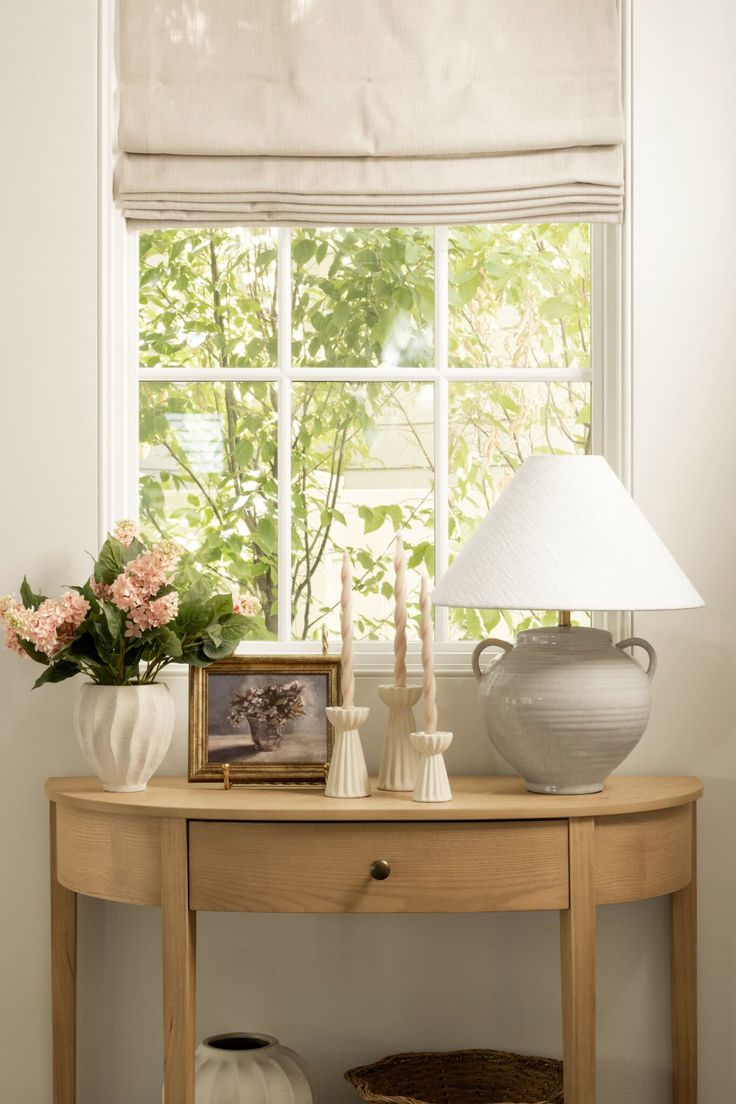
(346,629)
(429,683)
(400,613)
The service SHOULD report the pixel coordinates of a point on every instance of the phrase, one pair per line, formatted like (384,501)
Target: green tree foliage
(519,298)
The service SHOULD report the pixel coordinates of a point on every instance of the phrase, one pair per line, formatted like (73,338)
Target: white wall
(344,990)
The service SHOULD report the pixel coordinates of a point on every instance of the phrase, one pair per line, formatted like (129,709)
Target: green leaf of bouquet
(195,656)
(110,561)
(195,610)
(29,599)
(172,645)
(222,605)
(235,628)
(83,649)
(56,672)
(114,619)
(113,557)
(34,653)
(86,591)
(218,651)
(134,549)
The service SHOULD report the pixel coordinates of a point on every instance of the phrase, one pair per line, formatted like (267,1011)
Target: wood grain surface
(642,855)
(63,981)
(114,857)
(577,953)
(326,867)
(474,798)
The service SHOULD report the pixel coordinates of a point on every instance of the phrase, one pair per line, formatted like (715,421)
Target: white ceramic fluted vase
(348,774)
(399,760)
(124,732)
(251,1069)
(432,781)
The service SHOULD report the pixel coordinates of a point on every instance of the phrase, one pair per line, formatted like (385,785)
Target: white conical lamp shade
(565,535)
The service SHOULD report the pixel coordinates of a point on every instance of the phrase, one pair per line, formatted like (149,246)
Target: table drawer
(494,866)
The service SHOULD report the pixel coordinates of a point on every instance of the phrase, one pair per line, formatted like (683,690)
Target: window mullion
(441,423)
(283,315)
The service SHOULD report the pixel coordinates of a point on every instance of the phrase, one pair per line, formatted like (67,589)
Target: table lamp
(565,706)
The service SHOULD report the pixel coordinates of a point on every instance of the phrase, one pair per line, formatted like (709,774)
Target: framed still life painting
(264,716)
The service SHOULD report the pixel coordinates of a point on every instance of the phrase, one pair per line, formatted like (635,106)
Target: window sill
(372,660)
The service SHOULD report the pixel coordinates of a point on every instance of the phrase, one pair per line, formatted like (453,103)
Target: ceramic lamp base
(399,760)
(432,782)
(348,774)
(565,706)
(569,791)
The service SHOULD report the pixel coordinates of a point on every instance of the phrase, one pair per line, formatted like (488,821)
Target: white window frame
(120,375)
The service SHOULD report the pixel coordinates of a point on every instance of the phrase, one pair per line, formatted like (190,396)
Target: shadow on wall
(716,939)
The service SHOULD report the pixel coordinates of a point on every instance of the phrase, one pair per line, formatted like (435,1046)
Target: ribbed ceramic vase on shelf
(432,782)
(124,732)
(348,774)
(399,759)
(251,1069)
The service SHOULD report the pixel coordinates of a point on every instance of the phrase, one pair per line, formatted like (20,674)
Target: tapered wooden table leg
(683,915)
(577,948)
(179,964)
(63,982)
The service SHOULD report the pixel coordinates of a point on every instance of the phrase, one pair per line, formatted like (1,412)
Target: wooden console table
(495,848)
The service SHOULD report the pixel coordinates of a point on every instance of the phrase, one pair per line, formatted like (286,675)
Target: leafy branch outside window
(362,464)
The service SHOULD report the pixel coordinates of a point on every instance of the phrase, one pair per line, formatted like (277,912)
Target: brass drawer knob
(380,869)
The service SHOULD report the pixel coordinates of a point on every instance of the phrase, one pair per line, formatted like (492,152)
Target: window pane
(208,480)
(493,428)
(208,298)
(520,296)
(362,468)
(363,297)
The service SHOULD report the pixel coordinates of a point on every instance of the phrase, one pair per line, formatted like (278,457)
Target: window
(305,391)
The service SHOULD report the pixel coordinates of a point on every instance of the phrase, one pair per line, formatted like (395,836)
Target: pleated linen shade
(565,535)
(388,112)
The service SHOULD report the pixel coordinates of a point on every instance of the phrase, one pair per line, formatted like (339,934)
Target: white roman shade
(369,112)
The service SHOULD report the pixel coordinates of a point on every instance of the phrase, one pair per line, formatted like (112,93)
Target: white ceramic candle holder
(348,774)
(432,781)
(399,760)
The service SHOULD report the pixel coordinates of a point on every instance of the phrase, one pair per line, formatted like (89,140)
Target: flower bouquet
(267,709)
(138,612)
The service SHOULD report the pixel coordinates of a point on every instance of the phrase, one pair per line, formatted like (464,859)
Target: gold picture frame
(222,730)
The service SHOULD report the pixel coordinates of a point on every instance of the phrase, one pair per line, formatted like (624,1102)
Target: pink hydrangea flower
(125,593)
(245,605)
(72,608)
(125,531)
(51,626)
(144,577)
(12,642)
(101,591)
(16,616)
(152,614)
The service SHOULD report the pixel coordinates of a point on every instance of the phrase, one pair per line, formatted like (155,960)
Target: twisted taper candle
(400,613)
(429,684)
(346,629)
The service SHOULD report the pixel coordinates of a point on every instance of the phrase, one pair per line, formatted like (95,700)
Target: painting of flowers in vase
(264,717)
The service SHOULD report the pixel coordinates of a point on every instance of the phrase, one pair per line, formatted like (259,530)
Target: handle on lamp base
(640,642)
(399,759)
(491,642)
(432,781)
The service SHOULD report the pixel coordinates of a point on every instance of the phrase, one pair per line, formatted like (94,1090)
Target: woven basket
(460,1077)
